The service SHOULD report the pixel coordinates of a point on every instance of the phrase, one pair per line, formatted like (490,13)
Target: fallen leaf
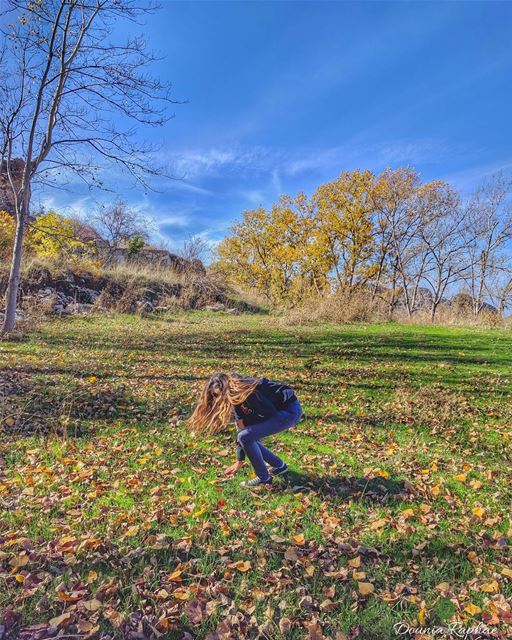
(132,531)
(365,588)
(241,565)
(378,524)
(61,621)
(175,576)
(490,587)
(472,609)
(285,625)
(91,605)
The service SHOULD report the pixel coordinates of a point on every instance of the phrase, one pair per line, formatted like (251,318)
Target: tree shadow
(379,489)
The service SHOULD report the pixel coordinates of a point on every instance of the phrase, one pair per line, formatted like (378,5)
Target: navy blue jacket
(268,398)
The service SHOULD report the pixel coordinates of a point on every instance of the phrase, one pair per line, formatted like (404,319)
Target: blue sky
(285,95)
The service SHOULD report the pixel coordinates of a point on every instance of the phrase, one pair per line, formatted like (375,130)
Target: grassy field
(397,508)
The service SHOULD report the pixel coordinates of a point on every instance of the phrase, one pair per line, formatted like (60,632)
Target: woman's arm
(232,469)
(240,453)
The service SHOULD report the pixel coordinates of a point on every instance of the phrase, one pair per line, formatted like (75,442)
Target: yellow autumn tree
(7,229)
(296,272)
(268,252)
(243,255)
(344,209)
(359,232)
(52,235)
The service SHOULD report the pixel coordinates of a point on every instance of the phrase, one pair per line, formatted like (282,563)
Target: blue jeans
(249,438)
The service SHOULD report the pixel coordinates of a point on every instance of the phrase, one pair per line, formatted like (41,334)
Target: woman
(261,407)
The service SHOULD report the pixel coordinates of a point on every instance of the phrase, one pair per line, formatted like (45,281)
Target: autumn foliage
(49,235)
(390,235)
(7,228)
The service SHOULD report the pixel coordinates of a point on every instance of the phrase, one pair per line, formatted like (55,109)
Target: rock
(144,306)
(45,293)
(218,306)
(78,308)
(85,295)
(19,315)
(490,308)
(69,276)
(233,311)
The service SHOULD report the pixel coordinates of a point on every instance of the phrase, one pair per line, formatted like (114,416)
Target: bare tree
(442,240)
(490,234)
(117,223)
(417,238)
(396,221)
(196,249)
(71,100)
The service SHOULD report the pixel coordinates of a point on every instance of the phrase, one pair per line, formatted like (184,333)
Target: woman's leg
(269,457)
(249,436)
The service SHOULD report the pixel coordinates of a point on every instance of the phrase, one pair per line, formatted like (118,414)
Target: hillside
(128,287)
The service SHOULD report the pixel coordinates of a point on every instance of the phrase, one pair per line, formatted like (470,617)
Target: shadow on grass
(351,488)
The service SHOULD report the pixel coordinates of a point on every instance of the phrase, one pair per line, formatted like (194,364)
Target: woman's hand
(234,468)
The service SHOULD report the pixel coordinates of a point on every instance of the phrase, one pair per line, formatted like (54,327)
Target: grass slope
(397,508)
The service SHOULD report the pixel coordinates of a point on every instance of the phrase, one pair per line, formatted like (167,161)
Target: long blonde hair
(214,409)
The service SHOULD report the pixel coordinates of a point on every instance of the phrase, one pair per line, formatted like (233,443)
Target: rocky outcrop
(69,293)
(147,256)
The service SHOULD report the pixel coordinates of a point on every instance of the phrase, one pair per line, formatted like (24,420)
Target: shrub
(135,245)
(52,235)
(340,307)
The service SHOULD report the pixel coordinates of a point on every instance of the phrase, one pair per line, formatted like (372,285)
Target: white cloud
(194,164)
(467,179)
(180,220)
(359,153)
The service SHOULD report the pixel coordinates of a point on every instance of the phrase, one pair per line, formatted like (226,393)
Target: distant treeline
(389,235)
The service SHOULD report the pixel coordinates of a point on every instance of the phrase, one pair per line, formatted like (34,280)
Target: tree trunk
(378,278)
(14,276)
(391,308)
(505,292)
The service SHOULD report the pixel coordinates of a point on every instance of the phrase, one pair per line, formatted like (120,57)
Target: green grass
(403,461)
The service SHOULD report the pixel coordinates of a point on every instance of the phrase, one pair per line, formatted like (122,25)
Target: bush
(340,307)
(358,306)
(52,235)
